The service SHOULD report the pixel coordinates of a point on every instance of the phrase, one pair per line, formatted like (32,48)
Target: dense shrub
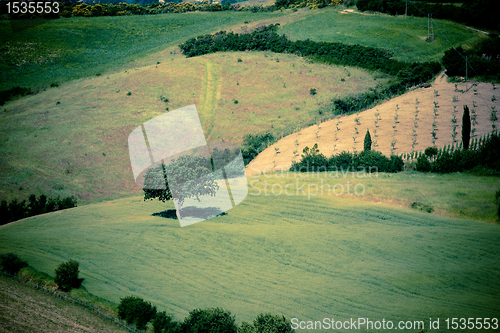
(482,59)
(369,161)
(423,164)
(135,310)
(253,144)
(11,263)
(164,323)
(67,275)
(16,210)
(213,320)
(10,94)
(483,157)
(269,323)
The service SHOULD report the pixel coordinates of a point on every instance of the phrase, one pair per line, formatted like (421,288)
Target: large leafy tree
(186,177)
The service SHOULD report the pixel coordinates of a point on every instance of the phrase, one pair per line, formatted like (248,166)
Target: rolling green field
(308,259)
(303,255)
(405,37)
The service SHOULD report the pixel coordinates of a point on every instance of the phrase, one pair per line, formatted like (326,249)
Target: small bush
(312,91)
(11,263)
(421,206)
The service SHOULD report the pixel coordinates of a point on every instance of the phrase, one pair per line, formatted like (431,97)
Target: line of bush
(136,311)
(266,38)
(367,161)
(16,210)
(479,13)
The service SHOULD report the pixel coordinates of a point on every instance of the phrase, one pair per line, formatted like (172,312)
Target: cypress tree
(466,128)
(368,141)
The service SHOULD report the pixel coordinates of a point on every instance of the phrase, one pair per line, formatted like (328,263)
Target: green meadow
(304,256)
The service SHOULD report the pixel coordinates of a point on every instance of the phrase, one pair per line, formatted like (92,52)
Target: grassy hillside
(310,259)
(72,140)
(405,37)
(25,310)
(71,48)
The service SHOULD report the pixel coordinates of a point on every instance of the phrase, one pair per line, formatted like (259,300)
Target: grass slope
(310,259)
(25,310)
(405,37)
(72,48)
(72,140)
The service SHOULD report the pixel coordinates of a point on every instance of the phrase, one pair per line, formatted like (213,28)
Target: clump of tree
(484,154)
(11,263)
(67,275)
(483,58)
(136,311)
(16,210)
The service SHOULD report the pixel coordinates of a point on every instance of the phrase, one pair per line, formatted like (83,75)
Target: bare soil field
(401,121)
(25,310)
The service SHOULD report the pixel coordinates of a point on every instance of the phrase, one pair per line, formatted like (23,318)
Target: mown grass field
(309,259)
(405,37)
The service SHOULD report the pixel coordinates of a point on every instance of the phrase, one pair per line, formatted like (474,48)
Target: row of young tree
(136,311)
(16,210)
(479,13)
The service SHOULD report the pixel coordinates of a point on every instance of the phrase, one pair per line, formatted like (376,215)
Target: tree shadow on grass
(204,213)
